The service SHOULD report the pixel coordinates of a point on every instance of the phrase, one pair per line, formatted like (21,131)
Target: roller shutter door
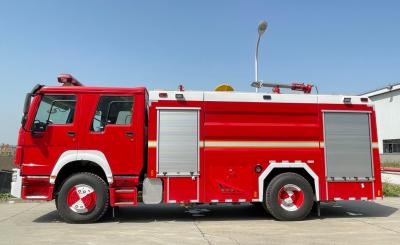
(178,142)
(347,145)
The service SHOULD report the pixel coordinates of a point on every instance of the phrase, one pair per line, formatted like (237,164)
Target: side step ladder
(123,196)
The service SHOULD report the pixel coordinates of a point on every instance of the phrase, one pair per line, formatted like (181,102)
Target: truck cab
(72,127)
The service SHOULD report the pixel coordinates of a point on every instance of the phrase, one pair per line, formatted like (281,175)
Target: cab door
(114,133)
(53,131)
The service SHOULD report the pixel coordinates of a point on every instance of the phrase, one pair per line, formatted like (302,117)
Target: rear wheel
(289,196)
(83,198)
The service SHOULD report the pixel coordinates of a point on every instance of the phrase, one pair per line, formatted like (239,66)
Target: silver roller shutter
(178,143)
(347,145)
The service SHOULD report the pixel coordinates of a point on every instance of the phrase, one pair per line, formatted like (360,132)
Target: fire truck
(96,148)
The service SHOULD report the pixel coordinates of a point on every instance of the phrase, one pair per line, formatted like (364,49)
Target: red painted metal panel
(36,189)
(42,149)
(181,189)
(350,190)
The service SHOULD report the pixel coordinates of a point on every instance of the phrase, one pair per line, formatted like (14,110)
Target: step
(123,196)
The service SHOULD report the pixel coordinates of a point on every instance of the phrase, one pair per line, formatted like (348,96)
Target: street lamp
(261,29)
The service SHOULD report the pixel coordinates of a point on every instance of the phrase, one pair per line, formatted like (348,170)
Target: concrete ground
(352,222)
(391,177)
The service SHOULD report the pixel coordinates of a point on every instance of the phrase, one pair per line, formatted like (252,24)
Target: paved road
(391,177)
(352,222)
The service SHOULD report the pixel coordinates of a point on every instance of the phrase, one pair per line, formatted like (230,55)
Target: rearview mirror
(39,126)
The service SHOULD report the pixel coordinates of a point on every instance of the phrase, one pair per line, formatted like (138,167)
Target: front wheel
(83,198)
(289,196)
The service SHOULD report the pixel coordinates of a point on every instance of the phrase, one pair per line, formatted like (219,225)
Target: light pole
(261,29)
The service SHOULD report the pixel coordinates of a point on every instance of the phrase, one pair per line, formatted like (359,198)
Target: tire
(289,197)
(83,198)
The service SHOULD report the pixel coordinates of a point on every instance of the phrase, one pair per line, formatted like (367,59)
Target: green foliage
(391,164)
(391,190)
(5,196)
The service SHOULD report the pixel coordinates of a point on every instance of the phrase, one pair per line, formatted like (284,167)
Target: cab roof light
(179,96)
(347,100)
(163,95)
(364,100)
(68,80)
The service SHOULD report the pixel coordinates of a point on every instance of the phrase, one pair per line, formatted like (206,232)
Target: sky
(343,46)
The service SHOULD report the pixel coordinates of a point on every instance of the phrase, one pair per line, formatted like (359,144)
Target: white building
(387,107)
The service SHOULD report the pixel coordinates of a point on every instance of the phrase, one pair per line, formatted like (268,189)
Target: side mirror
(38,126)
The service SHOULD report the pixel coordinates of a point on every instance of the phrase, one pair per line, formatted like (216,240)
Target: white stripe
(255,200)
(364,199)
(274,165)
(194,201)
(255,97)
(352,198)
(153,143)
(228,200)
(124,191)
(187,95)
(94,156)
(37,177)
(270,144)
(214,200)
(375,145)
(259,97)
(124,203)
(36,197)
(337,198)
(242,200)
(172,201)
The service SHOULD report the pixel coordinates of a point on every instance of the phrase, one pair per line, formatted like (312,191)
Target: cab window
(54,109)
(114,110)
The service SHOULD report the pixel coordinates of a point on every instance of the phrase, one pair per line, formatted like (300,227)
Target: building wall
(387,108)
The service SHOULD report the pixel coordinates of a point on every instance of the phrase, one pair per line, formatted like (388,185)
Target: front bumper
(31,187)
(16,183)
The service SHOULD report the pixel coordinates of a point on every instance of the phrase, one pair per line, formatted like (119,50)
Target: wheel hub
(81,198)
(290,197)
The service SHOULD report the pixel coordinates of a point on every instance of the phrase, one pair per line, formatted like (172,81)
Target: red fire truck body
(91,147)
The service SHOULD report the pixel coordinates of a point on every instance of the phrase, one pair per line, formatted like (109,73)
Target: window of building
(391,146)
(115,110)
(54,109)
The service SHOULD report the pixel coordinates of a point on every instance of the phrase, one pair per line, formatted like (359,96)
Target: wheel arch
(276,168)
(80,161)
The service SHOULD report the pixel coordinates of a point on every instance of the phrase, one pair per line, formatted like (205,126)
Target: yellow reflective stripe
(263,144)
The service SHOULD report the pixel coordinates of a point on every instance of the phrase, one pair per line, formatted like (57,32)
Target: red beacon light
(68,80)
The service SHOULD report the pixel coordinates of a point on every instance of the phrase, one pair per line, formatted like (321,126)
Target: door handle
(129,134)
(71,134)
